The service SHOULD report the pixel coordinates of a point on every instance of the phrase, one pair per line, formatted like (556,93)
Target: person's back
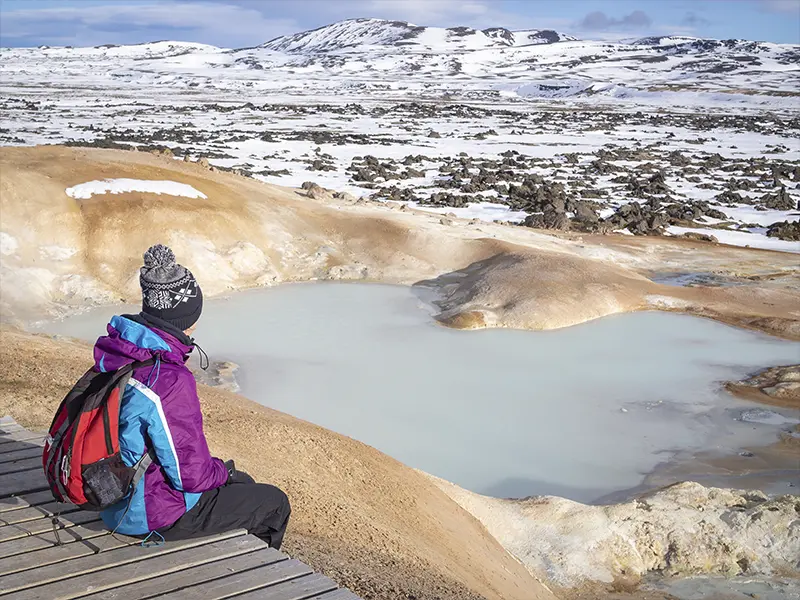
(185,492)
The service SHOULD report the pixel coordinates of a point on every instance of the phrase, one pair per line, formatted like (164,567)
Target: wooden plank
(47,539)
(29,452)
(192,576)
(36,512)
(24,500)
(340,594)
(18,434)
(13,446)
(16,484)
(122,566)
(71,548)
(245,581)
(294,589)
(28,528)
(25,464)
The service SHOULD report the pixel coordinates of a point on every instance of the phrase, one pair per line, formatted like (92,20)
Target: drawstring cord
(157,370)
(203,356)
(146,543)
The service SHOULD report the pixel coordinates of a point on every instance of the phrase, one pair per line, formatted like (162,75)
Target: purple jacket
(160,410)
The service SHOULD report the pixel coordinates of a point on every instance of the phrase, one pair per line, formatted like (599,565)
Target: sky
(244,23)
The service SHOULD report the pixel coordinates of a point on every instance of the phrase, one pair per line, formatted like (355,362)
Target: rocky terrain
(683,530)
(59,253)
(659,136)
(779,386)
(521,179)
(63,252)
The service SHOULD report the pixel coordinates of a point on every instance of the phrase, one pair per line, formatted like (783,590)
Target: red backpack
(81,457)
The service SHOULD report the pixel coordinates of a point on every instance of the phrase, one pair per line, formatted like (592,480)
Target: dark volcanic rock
(638,219)
(584,212)
(691,211)
(785,230)
(781,200)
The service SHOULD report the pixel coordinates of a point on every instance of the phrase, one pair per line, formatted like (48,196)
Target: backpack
(81,457)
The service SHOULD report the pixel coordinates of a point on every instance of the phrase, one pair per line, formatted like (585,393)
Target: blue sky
(239,23)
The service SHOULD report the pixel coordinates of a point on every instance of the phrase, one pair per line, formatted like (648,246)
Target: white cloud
(479,14)
(121,22)
(786,6)
(600,21)
(423,12)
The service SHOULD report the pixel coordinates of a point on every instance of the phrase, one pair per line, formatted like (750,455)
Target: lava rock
(785,230)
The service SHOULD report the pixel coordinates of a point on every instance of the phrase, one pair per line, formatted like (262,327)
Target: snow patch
(84,191)
(57,252)
(741,238)
(8,244)
(484,211)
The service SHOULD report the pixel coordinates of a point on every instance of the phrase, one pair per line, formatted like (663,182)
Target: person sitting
(185,492)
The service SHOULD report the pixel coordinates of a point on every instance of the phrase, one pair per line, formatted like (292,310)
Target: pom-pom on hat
(169,290)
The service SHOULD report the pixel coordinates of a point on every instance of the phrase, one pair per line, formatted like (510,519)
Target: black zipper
(107,429)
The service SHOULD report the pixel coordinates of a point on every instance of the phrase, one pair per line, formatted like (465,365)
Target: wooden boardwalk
(91,563)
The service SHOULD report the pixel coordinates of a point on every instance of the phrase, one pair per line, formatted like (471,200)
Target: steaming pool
(581,412)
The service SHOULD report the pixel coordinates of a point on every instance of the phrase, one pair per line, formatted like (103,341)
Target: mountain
(376,58)
(357,33)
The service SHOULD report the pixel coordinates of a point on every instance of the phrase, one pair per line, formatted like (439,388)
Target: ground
(362,518)
(359,516)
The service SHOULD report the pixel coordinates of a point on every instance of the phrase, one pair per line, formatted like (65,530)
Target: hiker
(185,492)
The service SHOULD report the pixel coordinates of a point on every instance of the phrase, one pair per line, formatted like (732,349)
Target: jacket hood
(128,341)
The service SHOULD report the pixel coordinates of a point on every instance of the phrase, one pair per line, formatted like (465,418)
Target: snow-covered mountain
(391,59)
(357,33)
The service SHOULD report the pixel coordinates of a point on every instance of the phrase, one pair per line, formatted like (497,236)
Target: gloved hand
(231,466)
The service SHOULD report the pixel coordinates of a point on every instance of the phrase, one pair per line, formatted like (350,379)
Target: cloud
(693,20)
(438,13)
(781,6)
(128,22)
(600,21)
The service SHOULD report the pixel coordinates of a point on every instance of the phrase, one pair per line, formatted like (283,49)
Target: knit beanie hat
(169,290)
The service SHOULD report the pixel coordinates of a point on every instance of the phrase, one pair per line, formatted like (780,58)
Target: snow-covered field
(701,134)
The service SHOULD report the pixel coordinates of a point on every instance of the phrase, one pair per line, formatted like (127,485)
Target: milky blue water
(579,412)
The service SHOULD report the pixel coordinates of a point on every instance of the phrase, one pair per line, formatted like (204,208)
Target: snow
(8,244)
(484,211)
(741,238)
(84,191)
(190,97)
(379,56)
(747,214)
(57,252)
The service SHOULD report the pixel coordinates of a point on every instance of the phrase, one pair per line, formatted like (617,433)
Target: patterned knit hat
(169,291)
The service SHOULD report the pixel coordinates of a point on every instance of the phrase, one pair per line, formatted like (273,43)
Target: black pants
(260,508)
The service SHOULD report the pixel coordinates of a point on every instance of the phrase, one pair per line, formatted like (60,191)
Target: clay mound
(61,252)
(541,290)
(369,522)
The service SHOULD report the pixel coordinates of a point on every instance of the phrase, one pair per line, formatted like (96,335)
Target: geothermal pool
(581,412)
